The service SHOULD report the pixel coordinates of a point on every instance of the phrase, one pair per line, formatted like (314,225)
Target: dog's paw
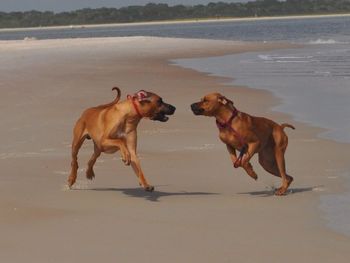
(90,174)
(149,188)
(281,191)
(254,176)
(126,158)
(126,162)
(71,181)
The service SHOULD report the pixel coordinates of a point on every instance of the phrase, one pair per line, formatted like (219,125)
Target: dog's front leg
(232,152)
(252,149)
(113,144)
(90,174)
(131,142)
(246,166)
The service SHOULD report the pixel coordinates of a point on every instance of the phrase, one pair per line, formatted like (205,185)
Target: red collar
(227,124)
(135,105)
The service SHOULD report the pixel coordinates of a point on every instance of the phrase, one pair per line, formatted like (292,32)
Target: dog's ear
(224,101)
(143,96)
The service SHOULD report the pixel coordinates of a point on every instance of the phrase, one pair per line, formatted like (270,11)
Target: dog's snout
(172,109)
(194,106)
(196,109)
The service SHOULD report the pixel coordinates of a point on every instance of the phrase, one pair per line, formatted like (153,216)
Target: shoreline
(170,22)
(324,210)
(205,66)
(234,215)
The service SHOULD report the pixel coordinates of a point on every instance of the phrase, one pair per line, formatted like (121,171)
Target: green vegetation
(158,12)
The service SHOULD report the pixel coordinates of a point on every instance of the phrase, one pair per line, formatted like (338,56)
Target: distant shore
(167,22)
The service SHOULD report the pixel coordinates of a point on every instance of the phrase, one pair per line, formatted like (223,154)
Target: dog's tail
(115,101)
(118,95)
(284,125)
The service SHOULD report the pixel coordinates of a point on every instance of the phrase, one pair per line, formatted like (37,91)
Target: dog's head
(210,104)
(152,106)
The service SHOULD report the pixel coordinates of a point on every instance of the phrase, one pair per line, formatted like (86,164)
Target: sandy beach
(202,210)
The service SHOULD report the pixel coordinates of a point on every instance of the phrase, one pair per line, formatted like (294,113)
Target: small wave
(265,57)
(293,57)
(29,38)
(324,41)
(293,61)
(285,59)
(323,73)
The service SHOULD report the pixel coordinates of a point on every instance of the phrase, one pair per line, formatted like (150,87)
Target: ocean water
(313,82)
(262,30)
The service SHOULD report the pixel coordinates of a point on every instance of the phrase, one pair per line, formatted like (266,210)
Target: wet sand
(203,210)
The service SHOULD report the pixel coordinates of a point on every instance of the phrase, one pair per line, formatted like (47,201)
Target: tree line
(159,12)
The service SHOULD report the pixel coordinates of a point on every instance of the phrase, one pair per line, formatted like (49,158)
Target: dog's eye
(160,102)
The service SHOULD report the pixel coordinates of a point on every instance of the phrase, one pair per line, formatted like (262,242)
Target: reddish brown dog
(249,135)
(113,127)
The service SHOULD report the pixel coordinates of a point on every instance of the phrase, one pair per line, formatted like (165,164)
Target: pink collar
(227,124)
(243,145)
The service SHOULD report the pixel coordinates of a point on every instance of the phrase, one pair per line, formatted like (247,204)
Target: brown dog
(113,127)
(249,135)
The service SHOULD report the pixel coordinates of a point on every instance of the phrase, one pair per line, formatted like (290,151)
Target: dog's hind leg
(281,143)
(90,174)
(268,161)
(78,139)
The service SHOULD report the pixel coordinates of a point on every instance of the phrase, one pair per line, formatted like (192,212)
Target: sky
(67,5)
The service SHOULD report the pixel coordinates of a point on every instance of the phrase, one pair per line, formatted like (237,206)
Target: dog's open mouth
(160,117)
(167,109)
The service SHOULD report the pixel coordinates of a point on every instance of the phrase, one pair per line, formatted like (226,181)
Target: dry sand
(202,210)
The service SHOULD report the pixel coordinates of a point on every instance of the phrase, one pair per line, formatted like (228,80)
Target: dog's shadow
(271,192)
(151,196)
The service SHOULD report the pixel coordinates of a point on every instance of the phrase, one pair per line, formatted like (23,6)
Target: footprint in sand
(61,172)
(79,185)
(318,189)
(332,177)
(48,150)
(161,131)
(206,146)
(13,155)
